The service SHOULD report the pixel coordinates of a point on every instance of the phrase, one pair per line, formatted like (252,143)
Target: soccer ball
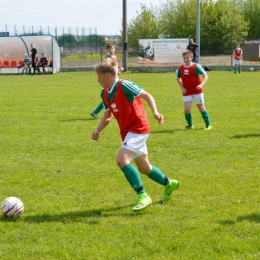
(251,69)
(12,207)
(149,53)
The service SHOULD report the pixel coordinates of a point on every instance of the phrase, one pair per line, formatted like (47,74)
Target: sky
(104,15)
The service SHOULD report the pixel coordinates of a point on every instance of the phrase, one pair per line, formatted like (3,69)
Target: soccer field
(78,204)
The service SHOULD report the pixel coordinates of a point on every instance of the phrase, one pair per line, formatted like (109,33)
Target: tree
(221,21)
(143,26)
(251,11)
(177,18)
(95,40)
(67,40)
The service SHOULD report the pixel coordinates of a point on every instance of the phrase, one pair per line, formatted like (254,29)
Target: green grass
(90,56)
(78,204)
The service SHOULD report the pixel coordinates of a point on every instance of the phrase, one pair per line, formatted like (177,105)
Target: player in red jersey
(110,55)
(238,57)
(123,100)
(188,78)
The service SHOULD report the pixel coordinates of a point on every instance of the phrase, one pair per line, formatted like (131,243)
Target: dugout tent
(13,49)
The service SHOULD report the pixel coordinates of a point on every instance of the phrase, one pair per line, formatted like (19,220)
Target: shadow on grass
(251,218)
(89,216)
(246,136)
(77,119)
(170,131)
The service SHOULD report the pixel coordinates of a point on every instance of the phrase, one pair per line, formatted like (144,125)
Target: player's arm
(179,81)
(205,78)
(151,102)
(202,72)
(103,123)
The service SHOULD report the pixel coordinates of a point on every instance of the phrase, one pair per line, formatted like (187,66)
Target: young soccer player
(26,61)
(110,55)
(122,98)
(188,78)
(238,57)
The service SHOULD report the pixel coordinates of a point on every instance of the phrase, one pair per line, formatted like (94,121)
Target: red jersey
(238,54)
(131,117)
(112,57)
(190,79)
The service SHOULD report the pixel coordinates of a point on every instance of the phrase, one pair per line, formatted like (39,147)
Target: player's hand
(159,118)
(95,135)
(199,86)
(184,90)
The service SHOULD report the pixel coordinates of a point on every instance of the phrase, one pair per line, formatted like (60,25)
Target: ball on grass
(12,207)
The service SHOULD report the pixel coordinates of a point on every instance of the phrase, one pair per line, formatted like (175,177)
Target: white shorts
(198,98)
(136,143)
(237,62)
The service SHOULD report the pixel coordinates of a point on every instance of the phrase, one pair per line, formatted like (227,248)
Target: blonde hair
(187,53)
(107,66)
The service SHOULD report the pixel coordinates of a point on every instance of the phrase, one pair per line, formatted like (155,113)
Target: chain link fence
(82,41)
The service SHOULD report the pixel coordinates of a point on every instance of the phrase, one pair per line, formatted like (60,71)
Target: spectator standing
(33,57)
(193,47)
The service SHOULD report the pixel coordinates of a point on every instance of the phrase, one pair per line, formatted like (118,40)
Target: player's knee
(144,169)
(121,163)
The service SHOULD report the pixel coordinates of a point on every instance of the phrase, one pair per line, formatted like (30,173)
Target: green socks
(239,69)
(188,118)
(205,116)
(98,108)
(133,178)
(157,176)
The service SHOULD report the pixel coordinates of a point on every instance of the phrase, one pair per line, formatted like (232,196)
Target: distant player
(238,57)
(188,78)
(123,100)
(110,55)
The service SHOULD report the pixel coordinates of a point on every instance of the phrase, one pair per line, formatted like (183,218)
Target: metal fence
(70,38)
(81,41)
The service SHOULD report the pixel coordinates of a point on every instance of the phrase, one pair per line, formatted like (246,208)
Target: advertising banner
(251,50)
(161,52)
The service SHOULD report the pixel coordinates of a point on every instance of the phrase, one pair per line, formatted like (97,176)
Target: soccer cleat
(170,187)
(188,127)
(143,201)
(94,115)
(208,127)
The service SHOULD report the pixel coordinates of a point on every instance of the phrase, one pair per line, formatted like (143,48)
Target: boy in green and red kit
(238,57)
(110,55)
(188,78)
(123,100)
(26,61)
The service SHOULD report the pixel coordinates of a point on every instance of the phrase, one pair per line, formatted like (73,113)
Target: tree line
(222,22)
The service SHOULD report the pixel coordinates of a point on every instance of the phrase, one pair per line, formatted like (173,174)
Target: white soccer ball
(12,207)
(149,53)
(251,69)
